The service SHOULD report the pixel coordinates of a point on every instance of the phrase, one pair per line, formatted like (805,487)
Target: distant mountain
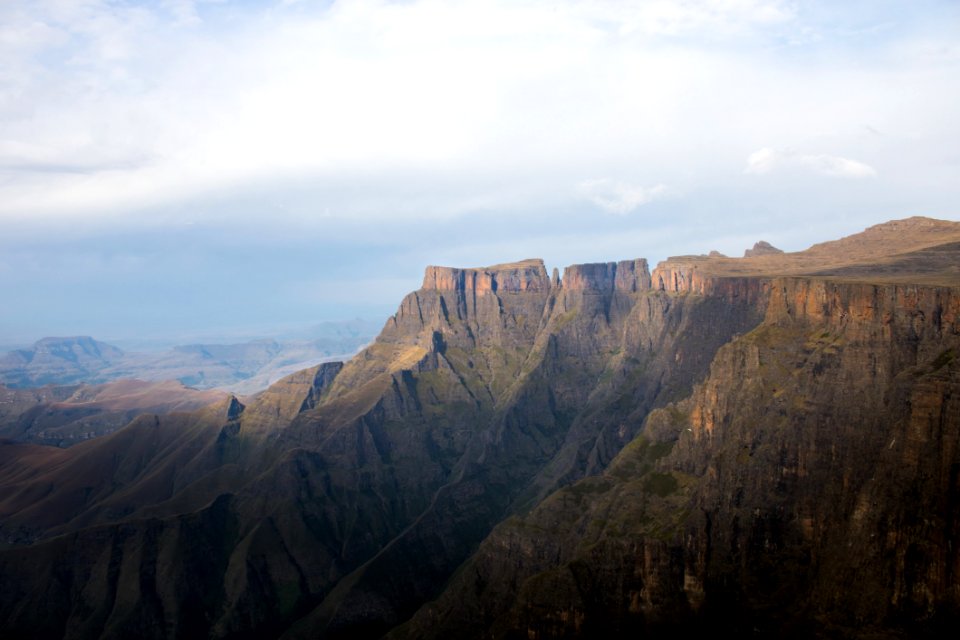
(243,368)
(765,446)
(57,361)
(66,415)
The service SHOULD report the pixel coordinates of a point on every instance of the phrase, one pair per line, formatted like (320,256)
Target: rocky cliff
(486,390)
(712,445)
(822,451)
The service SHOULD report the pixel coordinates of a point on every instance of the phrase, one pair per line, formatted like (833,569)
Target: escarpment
(820,452)
(486,390)
(520,383)
(716,444)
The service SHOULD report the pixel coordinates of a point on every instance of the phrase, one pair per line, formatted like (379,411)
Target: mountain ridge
(65,415)
(866,253)
(244,368)
(520,454)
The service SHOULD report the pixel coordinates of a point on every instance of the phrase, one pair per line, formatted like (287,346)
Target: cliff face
(839,450)
(628,276)
(677,275)
(488,389)
(609,453)
(821,452)
(528,275)
(502,393)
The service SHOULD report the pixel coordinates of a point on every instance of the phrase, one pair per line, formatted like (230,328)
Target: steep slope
(633,490)
(139,468)
(821,452)
(64,416)
(598,334)
(484,392)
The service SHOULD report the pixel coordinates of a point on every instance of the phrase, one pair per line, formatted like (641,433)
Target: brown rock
(628,276)
(526,275)
(633,276)
(762,248)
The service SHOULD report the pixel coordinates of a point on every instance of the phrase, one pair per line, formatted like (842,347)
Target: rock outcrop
(527,275)
(628,276)
(762,248)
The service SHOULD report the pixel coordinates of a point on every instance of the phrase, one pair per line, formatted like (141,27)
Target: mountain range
(242,368)
(766,446)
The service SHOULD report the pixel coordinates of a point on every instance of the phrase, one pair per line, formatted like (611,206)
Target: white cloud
(703,17)
(111,107)
(184,12)
(768,160)
(619,197)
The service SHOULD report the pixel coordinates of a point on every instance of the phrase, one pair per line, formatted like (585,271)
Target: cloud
(108,108)
(701,17)
(619,197)
(184,12)
(125,105)
(766,160)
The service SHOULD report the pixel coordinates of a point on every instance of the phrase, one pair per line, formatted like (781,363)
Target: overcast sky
(204,168)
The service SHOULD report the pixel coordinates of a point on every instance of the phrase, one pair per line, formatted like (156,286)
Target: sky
(206,168)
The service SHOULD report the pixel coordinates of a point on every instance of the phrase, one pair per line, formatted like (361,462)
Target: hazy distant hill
(242,368)
(57,361)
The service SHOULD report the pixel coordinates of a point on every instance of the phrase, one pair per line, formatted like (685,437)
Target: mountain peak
(525,275)
(626,275)
(85,343)
(762,248)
